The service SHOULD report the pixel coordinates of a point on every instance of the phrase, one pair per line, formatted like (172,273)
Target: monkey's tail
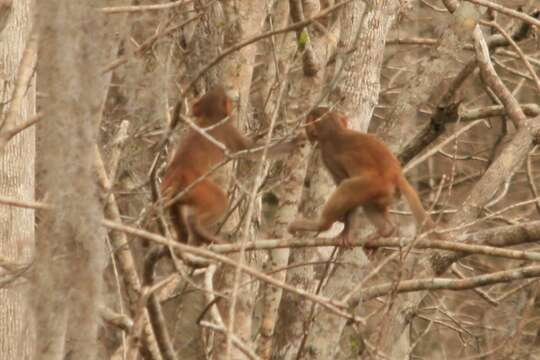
(422,217)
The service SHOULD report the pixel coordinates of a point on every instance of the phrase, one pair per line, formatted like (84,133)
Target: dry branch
(118,320)
(124,256)
(140,8)
(484,112)
(9,133)
(518,50)
(9,126)
(451,284)
(329,304)
(490,77)
(147,44)
(446,109)
(155,313)
(309,63)
(230,50)
(492,240)
(510,12)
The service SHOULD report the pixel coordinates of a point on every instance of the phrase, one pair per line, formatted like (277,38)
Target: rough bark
(361,86)
(243,18)
(16,180)
(447,54)
(294,313)
(435,263)
(279,204)
(360,82)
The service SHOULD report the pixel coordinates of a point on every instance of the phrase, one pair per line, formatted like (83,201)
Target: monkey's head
(213,106)
(321,123)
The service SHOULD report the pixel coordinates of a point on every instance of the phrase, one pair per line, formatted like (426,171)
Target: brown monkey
(205,203)
(365,172)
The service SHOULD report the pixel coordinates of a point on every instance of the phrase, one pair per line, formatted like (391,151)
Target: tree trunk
(70,256)
(243,18)
(360,85)
(17,181)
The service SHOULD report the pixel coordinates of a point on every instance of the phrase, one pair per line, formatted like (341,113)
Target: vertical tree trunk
(295,313)
(70,256)
(244,18)
(360,87)
(17,181)
(360,81)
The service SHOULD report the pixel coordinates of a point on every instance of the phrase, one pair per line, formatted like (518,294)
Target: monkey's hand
(300,140)
(296,226)
(291,228)
(286,147)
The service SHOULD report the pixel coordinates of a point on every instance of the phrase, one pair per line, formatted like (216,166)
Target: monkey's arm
(279,148)
(239,142)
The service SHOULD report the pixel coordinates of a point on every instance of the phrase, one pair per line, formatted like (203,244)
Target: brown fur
(365,172)
(205,203)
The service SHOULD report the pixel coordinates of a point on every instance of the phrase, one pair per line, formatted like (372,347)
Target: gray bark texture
(17,181)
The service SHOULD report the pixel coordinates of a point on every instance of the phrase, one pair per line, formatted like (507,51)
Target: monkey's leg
(209,205)
(348,224)
(380,218)
(179,224)
(350,194)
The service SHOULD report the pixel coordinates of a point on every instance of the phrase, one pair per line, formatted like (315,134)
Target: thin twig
(508,38)
(25,73)
(490,77)
(334,306)
(138,8)
(484,295)
(10,132)
(510,12)
(230,50)
(452,284)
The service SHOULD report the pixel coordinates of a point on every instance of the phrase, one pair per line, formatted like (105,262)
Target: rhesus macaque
(205,203)
(365,172)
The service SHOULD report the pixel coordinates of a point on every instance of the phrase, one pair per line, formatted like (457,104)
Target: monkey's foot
(370,252)
(344,241)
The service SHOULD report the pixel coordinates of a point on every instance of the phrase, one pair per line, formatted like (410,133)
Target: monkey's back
(195,156)
(359,153)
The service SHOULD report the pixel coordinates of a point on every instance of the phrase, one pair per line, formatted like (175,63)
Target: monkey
(366,173)
(205,203)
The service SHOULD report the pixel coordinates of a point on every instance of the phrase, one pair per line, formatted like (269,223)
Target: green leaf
(303,39)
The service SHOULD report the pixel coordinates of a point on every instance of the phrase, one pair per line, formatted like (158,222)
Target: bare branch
(451,284)
(140,8)
(25,73)
(230,50)
(118,320)
(9,133)
(508,38)
(491,79)
(332,305)
(510,12)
